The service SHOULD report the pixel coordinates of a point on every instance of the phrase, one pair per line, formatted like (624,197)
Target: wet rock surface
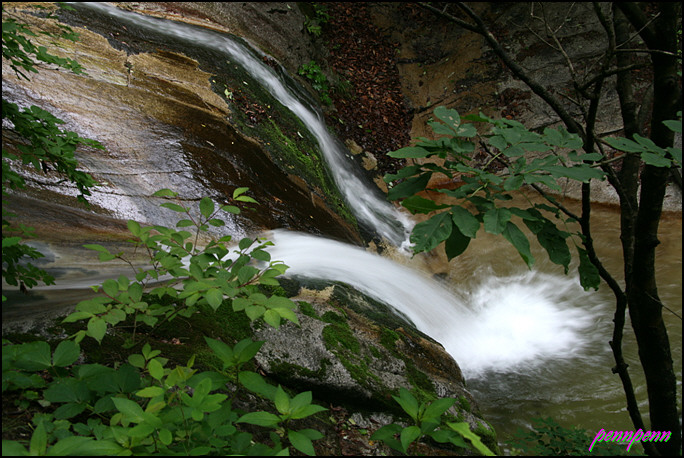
(162,125)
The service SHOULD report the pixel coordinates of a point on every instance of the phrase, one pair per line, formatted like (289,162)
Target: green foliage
(194,275)
(651,153)
(320,17)
(529,158)
(45,145)
(548,438)
(427,422)
(313,73)
(143,406)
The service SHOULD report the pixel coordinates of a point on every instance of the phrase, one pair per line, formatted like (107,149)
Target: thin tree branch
(481,29)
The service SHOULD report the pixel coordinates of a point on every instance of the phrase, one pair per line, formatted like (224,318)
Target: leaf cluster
(427,422)
(143,406)
(319,82)
(182,275)
(528,159)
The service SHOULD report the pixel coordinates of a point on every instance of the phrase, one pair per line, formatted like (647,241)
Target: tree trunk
(645,308)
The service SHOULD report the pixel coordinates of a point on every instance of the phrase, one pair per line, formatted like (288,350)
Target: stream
(531,343)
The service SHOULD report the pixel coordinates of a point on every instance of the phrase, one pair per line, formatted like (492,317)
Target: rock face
(443,64)
(163,124)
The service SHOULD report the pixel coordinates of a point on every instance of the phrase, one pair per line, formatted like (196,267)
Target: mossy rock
(351,350)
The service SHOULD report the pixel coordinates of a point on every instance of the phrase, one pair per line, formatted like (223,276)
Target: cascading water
(486,329)
(367,204)
(501,324)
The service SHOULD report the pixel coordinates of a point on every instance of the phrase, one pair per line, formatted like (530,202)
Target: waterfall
(367,203)
(512,323)
(499,324)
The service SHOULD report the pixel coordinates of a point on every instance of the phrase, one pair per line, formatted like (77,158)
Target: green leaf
(66,353)
(513,182)
(214,297)
(555,245)
(407,402)
(465,221)
(246,199)
(246,349)
(516,237)
(582,173)
(588,273)
(174,207)
(96,247)
(428,234)
(279,302)
(231,209)
(437,408)
(165,436)
(409,187)
(38,443)
(416,204)
(402,173)
(97,327)
(222,350)
(265,419)
(409,152)
(110,288)
(65,390)
(134,227)
(272,318)
(131,410)
(301,442)
(245,243)
(34,356)
(239,191)
(150,392)
(256,383)
(84,446)
(206,207)
(156,369)
(624,144)
(255,312)
(14,448)
(464,430)
(449,116)
(135,292)
(408,435)
(69,410)
(246,273)
(674,126)
(282,401)
(386,434)
(456,243)
(496,220)
(656,160)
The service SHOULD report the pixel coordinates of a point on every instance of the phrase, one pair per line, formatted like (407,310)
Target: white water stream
(503,324)
(368,204)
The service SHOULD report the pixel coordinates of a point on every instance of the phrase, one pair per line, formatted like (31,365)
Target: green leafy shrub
(144,406)
(428,423)
(319,82)
(320,17)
